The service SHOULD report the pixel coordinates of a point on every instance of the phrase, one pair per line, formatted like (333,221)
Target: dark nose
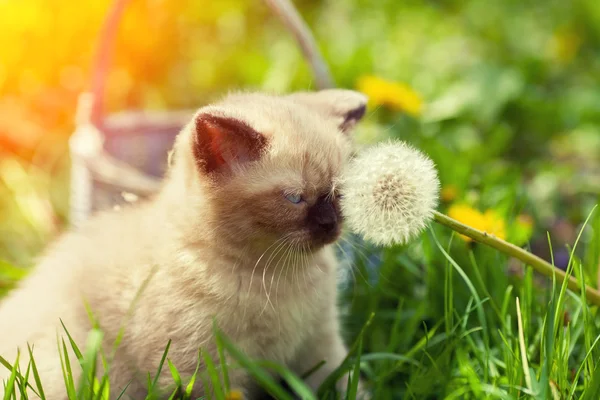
(325,216)
(328,224)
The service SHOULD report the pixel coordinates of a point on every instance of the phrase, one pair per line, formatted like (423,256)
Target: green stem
(541,266)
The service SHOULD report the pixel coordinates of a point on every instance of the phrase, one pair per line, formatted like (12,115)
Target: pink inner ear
(222,141)
(216,144)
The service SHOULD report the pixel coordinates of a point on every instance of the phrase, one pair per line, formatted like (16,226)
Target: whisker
(353,267)
(284,267)
(271,258)
(294,273)
(254,270)
(260,258)
(316,264)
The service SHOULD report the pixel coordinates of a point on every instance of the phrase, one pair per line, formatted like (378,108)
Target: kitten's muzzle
(324,221)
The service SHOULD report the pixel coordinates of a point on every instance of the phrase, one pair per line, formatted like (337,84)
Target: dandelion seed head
(390,192)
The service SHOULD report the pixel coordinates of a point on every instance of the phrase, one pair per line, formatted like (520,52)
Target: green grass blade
(89,363)
(190,386)
(36,375)
(343,367)
(9,367)
(65,363)
(354,378)
(10,384)
(152,385)
(23,383)
(581,367)
(264,379)
(592,392)
(213,374)
(522,347)
(174,373)
(222,362)
(294,382)
(312,370)
(103,390)
(471,287)
(123,391)
(72,343)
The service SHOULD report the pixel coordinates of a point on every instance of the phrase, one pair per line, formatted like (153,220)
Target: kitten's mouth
(315,239)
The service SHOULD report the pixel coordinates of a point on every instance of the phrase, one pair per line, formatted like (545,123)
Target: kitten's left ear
(221,143)
(347,107)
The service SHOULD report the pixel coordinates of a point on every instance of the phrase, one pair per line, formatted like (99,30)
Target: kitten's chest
(266,316)
(274,326)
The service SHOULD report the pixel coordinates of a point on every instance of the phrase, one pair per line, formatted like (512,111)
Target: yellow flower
(489,221)
(564,46)
(468,216)
(234,395)
(395,95)
(495,224)
(448,193)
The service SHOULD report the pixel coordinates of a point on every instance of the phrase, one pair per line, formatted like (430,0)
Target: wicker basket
(128,151)
(118,157)
(117,153)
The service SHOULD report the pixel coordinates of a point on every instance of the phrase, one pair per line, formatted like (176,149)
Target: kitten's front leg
(325,344)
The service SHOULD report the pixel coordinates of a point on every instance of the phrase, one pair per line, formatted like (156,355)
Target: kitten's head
(267,165)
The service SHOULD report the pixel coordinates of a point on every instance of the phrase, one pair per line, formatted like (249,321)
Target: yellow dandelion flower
(495,224)
(234,395)
(489,221)
(564,46)
(448,193)
(395,95)
(468,216)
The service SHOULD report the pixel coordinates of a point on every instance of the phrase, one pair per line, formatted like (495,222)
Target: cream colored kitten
(240,231)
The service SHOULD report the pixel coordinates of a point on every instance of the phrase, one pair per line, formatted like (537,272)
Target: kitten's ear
(347,107)
(222,142)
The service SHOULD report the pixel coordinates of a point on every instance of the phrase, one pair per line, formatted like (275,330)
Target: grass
(94,386)
(462,328)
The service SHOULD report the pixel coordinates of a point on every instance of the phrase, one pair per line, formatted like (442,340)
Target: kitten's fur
(219,240)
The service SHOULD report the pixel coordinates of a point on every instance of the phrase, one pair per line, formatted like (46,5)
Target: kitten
(241,231)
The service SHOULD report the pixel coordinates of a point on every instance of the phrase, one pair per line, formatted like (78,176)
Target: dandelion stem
(538,264)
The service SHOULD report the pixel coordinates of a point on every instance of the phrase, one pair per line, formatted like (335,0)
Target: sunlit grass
(461,329)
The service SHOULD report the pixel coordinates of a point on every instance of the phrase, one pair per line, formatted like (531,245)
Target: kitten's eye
(294,198)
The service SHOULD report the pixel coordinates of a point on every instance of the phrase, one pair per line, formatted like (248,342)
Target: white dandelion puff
(390,192)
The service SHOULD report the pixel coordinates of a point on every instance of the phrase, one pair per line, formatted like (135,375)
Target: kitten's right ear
(221,143)
(346,107)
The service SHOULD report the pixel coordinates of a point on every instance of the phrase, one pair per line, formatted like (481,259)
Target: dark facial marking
(324,220)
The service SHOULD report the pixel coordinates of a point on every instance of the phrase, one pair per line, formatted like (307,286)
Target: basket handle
(293,22)
(284,9)
(103,58)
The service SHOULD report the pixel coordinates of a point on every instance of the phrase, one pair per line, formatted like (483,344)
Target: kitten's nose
(324,218)
(328,224)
